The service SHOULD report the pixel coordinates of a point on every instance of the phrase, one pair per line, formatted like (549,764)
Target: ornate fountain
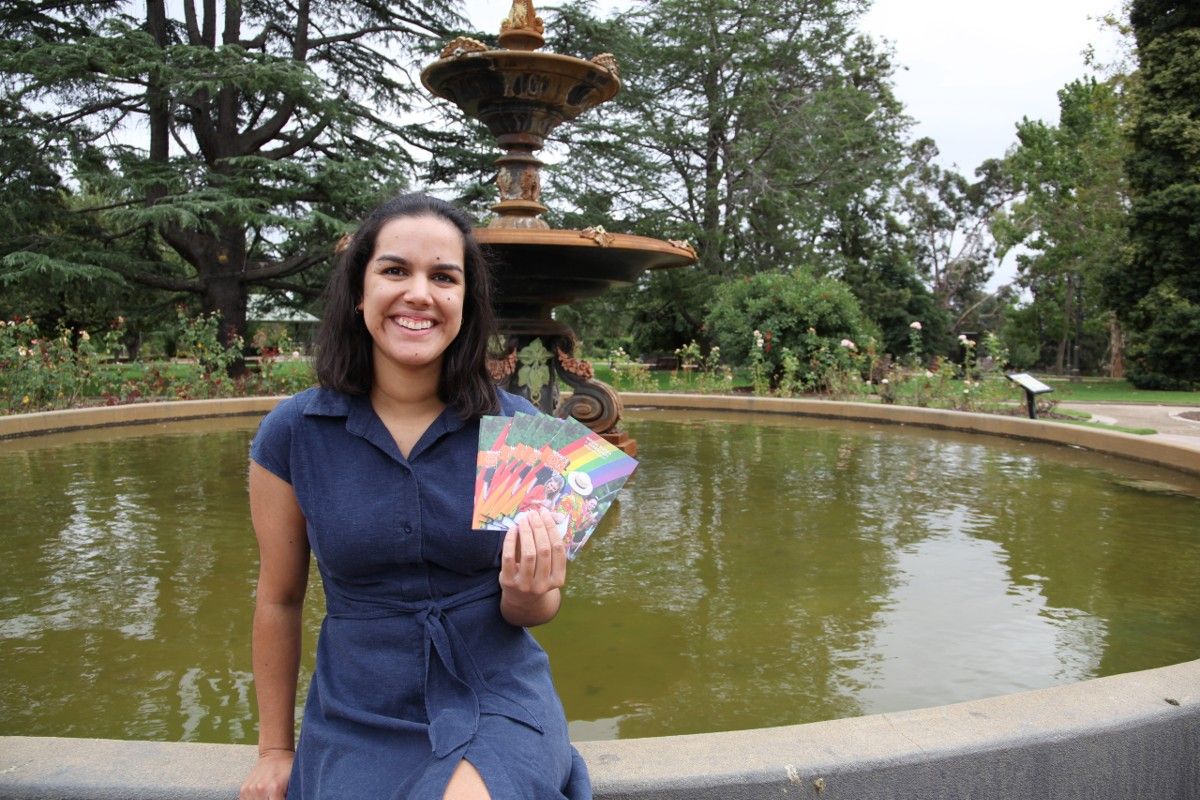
(521,96)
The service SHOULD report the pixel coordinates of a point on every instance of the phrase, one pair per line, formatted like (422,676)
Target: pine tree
(1157,294)
(222,148)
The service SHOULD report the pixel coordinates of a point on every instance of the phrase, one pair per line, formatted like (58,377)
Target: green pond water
(756,571)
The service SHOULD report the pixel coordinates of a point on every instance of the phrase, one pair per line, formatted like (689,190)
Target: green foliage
(75,367)
(629,375)
(698,372)
(948,240)
(239,158)
(797,311)
(1164,345)
(198,338)
(1071,217)
(783,153)
(39,373)
(1162,278)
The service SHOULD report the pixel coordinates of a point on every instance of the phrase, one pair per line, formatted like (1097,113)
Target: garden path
(1169,421)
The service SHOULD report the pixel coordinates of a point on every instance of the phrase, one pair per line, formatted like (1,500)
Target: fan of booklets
(528,461)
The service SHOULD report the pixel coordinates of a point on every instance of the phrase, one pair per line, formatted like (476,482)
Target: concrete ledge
(1126,736)
(18,425)
(1126,445)
(1119,738)
(1138,448)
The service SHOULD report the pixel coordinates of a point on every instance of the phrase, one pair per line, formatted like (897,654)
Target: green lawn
(665,380)
(1111,390)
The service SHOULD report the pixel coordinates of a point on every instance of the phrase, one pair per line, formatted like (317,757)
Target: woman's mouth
(413,324)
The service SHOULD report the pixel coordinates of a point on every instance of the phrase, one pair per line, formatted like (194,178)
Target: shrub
(1164,353)
(38,372)
(795,311)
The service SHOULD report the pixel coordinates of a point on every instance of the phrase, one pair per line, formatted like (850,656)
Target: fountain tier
(521,96)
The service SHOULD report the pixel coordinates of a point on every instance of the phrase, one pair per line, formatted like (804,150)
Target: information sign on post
(1032,386)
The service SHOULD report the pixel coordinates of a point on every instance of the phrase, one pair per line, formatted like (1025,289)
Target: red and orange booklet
(533,460)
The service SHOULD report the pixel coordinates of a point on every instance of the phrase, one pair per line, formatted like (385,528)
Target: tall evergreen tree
(223,147)
(1071,216)
(1157,294)
(754,130)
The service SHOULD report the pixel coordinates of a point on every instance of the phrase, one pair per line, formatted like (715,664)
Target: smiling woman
(412,296)
(427,683)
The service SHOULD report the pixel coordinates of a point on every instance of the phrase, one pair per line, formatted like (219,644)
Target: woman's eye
(444,278)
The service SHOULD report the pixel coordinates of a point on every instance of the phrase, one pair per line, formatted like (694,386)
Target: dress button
(408,527)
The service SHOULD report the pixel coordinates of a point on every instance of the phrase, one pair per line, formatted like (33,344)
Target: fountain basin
(545,268)
(1111,738)
(519,93)
(1131,735)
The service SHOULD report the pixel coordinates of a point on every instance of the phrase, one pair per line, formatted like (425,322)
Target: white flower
(849,345)
(884,381)
(23,352)
(295,354)
(928,374)
(962,337)
(916,326)
(85,336)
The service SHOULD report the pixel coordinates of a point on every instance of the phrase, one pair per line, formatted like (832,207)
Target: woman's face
(414,286)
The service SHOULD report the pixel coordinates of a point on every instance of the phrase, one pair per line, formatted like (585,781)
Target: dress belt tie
(452,704)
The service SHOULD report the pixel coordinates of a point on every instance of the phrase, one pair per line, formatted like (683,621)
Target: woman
(427,684)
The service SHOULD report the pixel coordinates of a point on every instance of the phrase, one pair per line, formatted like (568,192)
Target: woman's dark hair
(343,358)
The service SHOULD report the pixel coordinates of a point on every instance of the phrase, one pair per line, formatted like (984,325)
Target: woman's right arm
(282,578)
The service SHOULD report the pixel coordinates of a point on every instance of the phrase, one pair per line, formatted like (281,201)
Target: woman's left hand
(533,569)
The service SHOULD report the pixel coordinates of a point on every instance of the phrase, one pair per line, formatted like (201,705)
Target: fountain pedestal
(521,96)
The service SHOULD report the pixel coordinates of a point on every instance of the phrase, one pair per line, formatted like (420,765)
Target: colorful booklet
(530,461)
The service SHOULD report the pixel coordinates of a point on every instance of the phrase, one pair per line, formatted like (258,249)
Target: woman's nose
(417,289)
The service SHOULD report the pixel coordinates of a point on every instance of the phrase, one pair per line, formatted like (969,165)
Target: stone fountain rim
(566,237)
(1134,734)
(500,54)
(1116,443)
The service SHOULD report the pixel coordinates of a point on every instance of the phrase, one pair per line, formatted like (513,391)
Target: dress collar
(362,421)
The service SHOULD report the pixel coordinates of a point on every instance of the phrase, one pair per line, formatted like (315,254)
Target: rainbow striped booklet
(528,461)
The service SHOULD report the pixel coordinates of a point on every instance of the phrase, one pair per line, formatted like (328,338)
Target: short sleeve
(271,447)
(514,403)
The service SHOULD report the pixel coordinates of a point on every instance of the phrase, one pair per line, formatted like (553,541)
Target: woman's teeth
(415,324)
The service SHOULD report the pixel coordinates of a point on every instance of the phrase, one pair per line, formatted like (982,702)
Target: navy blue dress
(416,668)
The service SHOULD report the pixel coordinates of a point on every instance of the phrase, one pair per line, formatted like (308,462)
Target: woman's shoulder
(290,409)
(283,426)
(514,403)
(317,401)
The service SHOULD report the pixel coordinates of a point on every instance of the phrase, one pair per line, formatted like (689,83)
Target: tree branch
(311,292)
(299,144)
(290,266)
(252,141)
(164,282)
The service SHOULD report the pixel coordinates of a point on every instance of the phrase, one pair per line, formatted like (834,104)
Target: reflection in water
(954,590)
(755,571)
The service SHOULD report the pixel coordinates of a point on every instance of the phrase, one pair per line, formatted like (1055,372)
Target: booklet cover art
(534,460)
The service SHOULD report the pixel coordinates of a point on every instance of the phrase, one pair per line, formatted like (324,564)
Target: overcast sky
(967,70)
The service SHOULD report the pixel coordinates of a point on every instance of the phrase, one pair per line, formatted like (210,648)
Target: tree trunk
(223,293)
(1068,315)
(1116,348)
